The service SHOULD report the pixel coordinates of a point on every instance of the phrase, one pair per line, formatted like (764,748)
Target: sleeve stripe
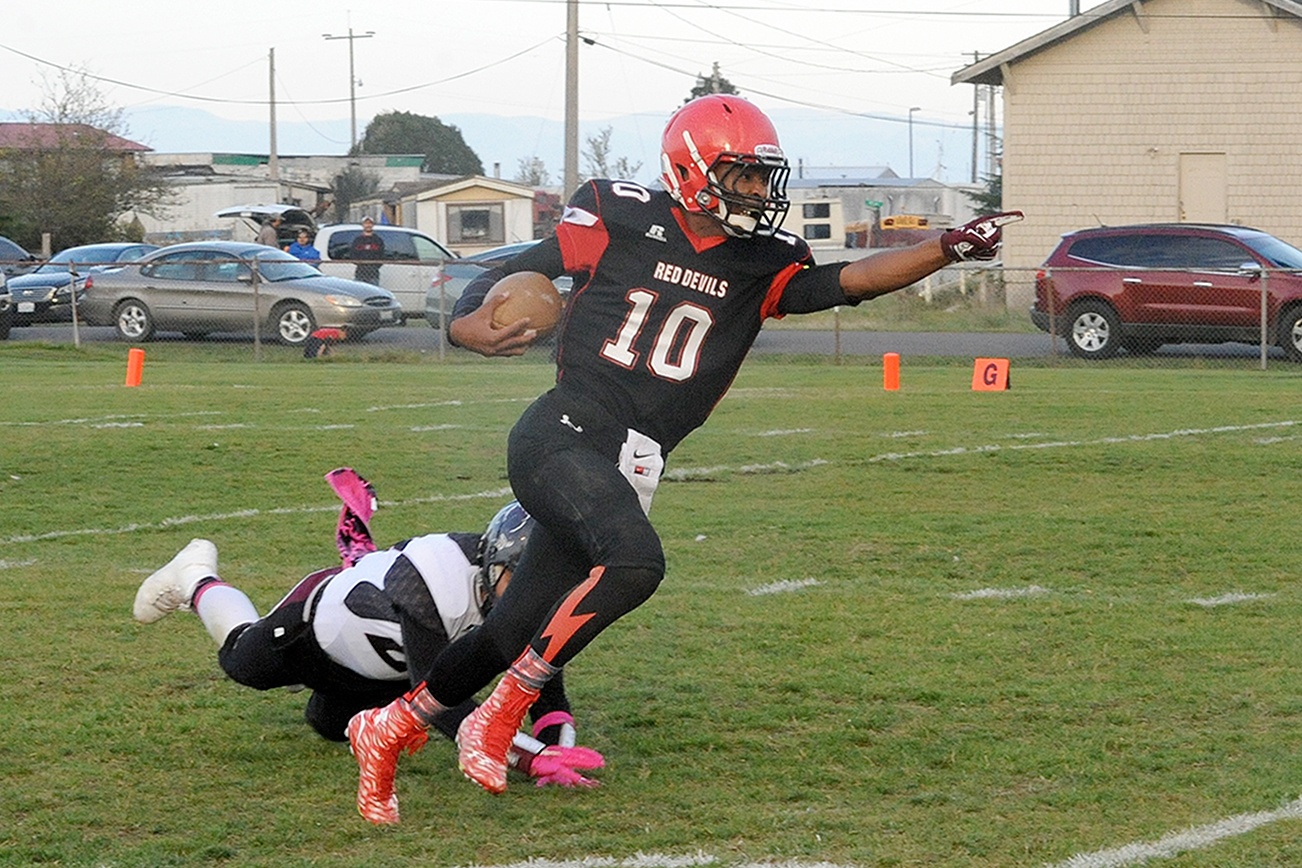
(770,306)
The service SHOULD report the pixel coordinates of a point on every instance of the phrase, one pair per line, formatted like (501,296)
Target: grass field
(930,627)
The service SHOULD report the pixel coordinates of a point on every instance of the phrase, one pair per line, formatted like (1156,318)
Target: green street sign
(873,203)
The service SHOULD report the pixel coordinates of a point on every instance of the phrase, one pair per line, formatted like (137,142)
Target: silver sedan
(206,287)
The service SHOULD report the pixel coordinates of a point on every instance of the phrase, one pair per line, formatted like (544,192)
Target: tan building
(467,215)
(1150,111)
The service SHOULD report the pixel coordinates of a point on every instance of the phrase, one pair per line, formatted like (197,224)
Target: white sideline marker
(1000,593)
(657,860)
(684,474)
(1193,838)
(783,586)
(1226,599)
(178,521)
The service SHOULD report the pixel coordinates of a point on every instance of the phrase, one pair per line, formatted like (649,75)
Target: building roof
(497,185)
(991,69)
(24,136)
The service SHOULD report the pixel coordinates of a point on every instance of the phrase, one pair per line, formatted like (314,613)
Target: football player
(352,633)
(671,289)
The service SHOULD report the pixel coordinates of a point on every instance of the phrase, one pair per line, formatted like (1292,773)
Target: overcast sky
(507,57)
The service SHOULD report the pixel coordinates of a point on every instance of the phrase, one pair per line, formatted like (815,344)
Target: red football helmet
(705,143)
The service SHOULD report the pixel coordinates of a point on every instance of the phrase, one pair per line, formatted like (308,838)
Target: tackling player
(352,633)
(671,289)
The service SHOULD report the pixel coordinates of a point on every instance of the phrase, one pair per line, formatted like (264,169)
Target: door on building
(1203,188)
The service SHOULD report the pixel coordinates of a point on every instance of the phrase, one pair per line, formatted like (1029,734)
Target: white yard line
(658,860)
(1230,598)
(680,474)
(1001,593)
(178,521)
(1062,444)
(1193,838)
(784,586)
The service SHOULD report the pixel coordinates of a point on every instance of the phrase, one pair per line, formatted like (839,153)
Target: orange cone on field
(891,372)
(135,366)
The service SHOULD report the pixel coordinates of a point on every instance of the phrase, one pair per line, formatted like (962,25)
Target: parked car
(446,287)
(6,309)
(1139,287)
(14,260)
(460,272)
(412,260)
(45,295)
(206,287)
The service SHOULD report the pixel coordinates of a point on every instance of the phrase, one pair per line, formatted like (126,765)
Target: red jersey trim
(582,246)
(780,280)
(699,243)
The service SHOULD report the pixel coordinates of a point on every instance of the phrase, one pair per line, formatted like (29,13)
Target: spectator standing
(368,249)
(303,249)
(268,234)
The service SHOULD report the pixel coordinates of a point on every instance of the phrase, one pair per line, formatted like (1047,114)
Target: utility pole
(992,136)
(273,161)
(911,111)
(571,97)
(976,117)
(352,75)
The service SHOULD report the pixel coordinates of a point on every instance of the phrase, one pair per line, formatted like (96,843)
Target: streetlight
(352,76)
(911,111)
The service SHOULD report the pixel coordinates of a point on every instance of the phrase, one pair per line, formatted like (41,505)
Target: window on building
(817,210)
(817,231)
(477,224)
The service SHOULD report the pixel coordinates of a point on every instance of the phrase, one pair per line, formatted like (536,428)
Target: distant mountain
(814,140)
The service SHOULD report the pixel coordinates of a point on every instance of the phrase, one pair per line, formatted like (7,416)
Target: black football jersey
(660,319)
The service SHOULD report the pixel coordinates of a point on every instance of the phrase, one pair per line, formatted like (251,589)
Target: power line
(263,102)
(780,98)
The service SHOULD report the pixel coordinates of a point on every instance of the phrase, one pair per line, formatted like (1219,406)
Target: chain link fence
(1250,317)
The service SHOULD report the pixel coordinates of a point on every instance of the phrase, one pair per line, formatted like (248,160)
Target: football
(532,295)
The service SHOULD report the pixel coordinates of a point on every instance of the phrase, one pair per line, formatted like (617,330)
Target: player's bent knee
(330,720)
(636,584)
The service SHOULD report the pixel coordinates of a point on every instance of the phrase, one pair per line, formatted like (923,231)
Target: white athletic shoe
(171,587)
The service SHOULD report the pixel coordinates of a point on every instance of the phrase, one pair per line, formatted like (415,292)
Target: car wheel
(293,324)
(1290,333)
(1141,346)
(1093,330)
(133,320)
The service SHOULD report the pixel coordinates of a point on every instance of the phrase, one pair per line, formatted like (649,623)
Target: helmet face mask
(740,213)
(500,549)
(709,146)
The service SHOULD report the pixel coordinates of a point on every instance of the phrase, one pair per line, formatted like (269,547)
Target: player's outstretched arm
(892,269)
(897,268)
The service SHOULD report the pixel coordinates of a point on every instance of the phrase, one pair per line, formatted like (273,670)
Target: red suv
(1138,287)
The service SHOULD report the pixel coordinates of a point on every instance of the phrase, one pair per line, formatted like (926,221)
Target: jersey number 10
(684,328)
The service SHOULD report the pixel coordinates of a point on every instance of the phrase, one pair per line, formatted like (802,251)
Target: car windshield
(1278,253)
(275,265)
(58,263)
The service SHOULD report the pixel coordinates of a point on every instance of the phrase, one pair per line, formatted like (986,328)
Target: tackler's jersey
(657,331)
(354,620)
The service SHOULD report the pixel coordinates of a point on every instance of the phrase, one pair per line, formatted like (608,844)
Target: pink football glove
(978,239)
(561,766)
